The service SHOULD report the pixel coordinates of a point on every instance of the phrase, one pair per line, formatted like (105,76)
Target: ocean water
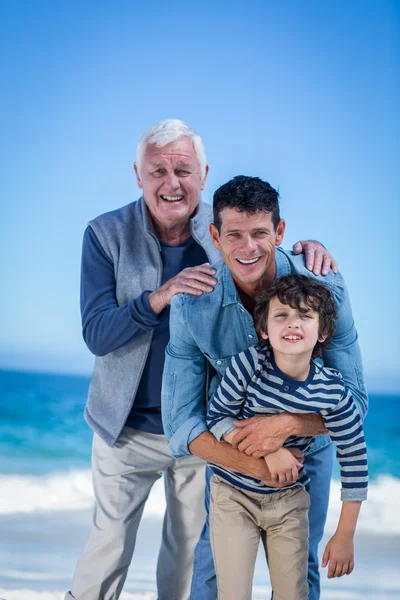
(46,497)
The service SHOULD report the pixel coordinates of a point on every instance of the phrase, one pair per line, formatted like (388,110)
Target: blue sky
(303,94)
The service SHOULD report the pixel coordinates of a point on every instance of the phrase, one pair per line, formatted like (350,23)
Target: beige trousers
(122,478)
(238,519)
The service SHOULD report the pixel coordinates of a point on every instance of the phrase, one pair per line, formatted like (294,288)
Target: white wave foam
(60,492)
(73,491)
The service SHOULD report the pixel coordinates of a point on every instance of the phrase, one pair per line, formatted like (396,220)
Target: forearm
(222,454)
(348,517)
(305,425)
(110,327)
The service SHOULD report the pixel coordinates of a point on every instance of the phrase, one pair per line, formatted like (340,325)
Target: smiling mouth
(292,338)
(171,198)
(252,261)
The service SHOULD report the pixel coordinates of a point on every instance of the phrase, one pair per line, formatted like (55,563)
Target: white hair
(165,132)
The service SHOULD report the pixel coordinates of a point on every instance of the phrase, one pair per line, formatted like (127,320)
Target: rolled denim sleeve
(183,385)
(343,352)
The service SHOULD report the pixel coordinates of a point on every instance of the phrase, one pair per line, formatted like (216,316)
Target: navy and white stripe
(253,384)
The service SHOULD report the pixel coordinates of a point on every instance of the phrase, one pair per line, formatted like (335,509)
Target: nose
(172,181)
(249,244)
(294,322)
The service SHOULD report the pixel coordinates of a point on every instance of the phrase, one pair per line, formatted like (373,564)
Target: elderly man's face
(171,181)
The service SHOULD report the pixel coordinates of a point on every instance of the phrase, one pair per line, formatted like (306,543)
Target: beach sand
(38,553)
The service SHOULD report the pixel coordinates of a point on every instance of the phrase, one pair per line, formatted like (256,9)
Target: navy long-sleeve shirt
(108,326)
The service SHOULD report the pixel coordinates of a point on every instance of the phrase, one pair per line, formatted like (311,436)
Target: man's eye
(233,234)
(260,233)
(158,173)
(182,173)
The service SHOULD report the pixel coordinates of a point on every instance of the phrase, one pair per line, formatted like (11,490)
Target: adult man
(208,330)
(134,260)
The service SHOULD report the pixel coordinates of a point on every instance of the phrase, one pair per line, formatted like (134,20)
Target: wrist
(287,426)
(156,302)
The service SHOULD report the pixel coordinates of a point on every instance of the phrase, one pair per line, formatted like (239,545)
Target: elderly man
(134,260)
(207,331)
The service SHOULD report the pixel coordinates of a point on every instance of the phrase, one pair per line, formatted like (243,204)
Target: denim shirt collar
(230,295)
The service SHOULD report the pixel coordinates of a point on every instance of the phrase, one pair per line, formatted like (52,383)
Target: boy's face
(291,331)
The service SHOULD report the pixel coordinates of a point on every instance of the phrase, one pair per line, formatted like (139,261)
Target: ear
(280,232)
(139,181)
(203,181)
(322,338)
(215,236)
(264,335)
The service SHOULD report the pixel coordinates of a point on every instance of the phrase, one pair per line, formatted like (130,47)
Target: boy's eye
(306,316)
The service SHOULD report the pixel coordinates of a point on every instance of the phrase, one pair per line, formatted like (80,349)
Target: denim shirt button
(219,362)
(286,388)
(251,336)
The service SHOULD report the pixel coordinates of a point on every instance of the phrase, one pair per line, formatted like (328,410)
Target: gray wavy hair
(167,131)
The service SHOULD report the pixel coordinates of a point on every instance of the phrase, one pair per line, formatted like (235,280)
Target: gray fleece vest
(128,239)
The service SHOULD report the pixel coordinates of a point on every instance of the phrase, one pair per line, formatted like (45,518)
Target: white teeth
(292,337)
(248,262)
(172,198)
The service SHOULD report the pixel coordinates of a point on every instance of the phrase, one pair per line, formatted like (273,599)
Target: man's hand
(260,435)
(193,280)
(316,256)
(283,466)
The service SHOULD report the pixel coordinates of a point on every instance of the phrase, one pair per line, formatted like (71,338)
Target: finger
(334,266)
(325,558)
(206,284)
(299,465)
(244,445)
(351,567)
(317,263)
(331,570)
(295,474)
(298,248)
(338,570)
(282,478)
(326,263)
(345,569)
(309,254)
(250,450)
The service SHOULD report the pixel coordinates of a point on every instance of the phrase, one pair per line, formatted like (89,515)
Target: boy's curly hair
(299,292)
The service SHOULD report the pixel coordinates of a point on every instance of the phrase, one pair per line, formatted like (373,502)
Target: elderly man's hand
(260,435)
(316,256)
(193,280)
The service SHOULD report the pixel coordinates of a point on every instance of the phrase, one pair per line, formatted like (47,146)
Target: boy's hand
(339,553)
(283,466)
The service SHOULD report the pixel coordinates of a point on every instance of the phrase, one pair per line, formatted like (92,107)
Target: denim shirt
(208,330)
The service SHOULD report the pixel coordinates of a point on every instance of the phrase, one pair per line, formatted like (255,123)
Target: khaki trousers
(122,479)
(238,519)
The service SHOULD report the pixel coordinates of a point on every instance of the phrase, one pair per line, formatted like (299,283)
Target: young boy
(294,319)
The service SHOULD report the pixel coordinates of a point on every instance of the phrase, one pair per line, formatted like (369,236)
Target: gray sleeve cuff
(223,427)
(354,495)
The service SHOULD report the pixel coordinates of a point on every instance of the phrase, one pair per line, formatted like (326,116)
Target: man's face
(171,181)
(290,331)
(247,244)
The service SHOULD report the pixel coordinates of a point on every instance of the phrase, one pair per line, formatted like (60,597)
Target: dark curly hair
(299,292)
(246,194)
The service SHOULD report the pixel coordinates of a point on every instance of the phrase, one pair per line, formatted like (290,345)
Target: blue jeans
(319,468)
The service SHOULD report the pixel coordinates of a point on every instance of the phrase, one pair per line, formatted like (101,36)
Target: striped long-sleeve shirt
(254,385)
